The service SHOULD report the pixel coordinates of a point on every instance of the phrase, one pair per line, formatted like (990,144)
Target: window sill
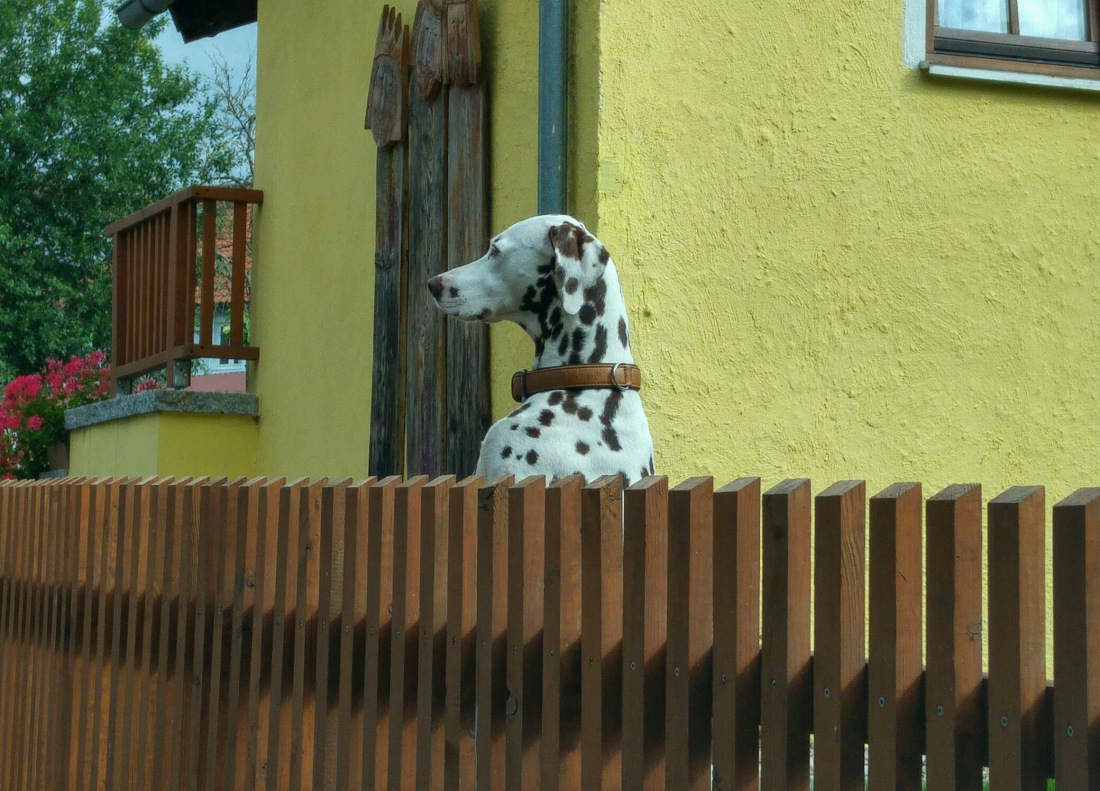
(1009,72)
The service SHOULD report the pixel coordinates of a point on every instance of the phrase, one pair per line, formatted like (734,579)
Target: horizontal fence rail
(168,282)
(452,634)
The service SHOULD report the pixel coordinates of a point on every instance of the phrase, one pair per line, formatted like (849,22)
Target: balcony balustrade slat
(240,249)
(206,304)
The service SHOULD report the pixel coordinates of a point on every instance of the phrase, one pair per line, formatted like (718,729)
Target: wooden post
(645,630)
(690,634)
(737,635)
(840,702)
(895,737)
(1017,639)
(601,633)
(786,713)
(955,729)
(386,118)
(1077,640)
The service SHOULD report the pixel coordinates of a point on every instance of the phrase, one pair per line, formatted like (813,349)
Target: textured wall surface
(167,444)
(841,268)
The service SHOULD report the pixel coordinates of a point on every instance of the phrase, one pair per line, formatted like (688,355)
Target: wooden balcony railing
(175,263)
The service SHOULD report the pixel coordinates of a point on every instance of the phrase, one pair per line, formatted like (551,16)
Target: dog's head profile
(534,263)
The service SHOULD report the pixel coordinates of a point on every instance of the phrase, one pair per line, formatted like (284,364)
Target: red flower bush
(33,410)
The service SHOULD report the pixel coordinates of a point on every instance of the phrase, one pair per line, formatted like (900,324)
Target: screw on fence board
(939,711)
(1069,731)
(881,702)
(1004,721)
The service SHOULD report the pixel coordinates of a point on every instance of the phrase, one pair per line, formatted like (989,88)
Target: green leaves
(93,126)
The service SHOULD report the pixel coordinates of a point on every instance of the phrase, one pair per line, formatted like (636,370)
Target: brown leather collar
(620,376)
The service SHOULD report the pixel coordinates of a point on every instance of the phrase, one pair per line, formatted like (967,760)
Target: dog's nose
(435,286)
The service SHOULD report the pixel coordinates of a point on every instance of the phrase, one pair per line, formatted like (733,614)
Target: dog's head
(527,268)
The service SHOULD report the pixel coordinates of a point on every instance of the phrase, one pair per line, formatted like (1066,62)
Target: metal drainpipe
(553,79)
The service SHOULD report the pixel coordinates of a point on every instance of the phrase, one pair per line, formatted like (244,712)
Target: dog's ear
(579,260)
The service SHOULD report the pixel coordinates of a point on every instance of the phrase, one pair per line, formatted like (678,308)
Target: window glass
(990,16)
(1053,19)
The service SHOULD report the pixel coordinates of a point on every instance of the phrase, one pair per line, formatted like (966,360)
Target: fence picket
(955,728)
(645,593)
(690,633)
(561,679)
(7,581)
(329,611)
(379,624)
(737,635)
(601,633)
(1077,639)
(840,699)
(786,713)
(492,623)
(458,758)
(895,740)
(526,568)
(137,531)
(349,772)
(431,667)
(1018,733)
(301,748)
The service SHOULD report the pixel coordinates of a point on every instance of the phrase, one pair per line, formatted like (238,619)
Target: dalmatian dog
(558,282)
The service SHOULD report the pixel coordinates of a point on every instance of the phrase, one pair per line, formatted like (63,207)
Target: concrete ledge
(179,401)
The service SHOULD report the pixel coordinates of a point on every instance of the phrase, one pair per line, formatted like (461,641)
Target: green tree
(93,126)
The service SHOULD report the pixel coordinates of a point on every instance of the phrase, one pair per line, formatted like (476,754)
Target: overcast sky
(237,45)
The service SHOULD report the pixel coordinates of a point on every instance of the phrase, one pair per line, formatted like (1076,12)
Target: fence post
(492,625)
(690,633)
(601,633)
(895,738)
(786,713)
(561,682)
(1077,640)
(840,702)
(526,566)
(955,729)
(1017,638)
(461,634)
(645,629)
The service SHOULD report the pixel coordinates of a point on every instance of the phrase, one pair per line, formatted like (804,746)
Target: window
(1058,38)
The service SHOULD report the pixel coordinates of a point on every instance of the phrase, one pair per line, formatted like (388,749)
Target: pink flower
(34,422)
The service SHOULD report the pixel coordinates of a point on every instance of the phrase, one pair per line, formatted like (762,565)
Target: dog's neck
(599,333)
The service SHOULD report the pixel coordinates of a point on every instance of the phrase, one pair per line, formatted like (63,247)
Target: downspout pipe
(553,107)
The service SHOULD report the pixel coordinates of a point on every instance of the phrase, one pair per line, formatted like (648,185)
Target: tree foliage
(93,126)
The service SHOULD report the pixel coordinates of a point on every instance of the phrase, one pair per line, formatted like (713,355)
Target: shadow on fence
(444,634)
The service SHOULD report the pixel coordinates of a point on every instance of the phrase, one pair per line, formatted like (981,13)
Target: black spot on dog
(604,255)
(532,457)
(645,472)
(554,333)
(607,418)
(587,313)
(584,413)
(453,292)
(597,295)
(583,448)
(506,452)
(600,347)
(555,317)
(540,347)
(563,346)
(579,338)
(571,285)
(532,431)
(546,268)
(556,398)
(514,426)
(546,417)
(623,338)
(570,405)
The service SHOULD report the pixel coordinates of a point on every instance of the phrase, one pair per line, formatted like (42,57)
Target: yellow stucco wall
(174,444)
(839,267)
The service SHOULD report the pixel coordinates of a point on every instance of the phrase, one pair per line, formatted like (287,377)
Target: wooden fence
(458,635)
(165,279)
